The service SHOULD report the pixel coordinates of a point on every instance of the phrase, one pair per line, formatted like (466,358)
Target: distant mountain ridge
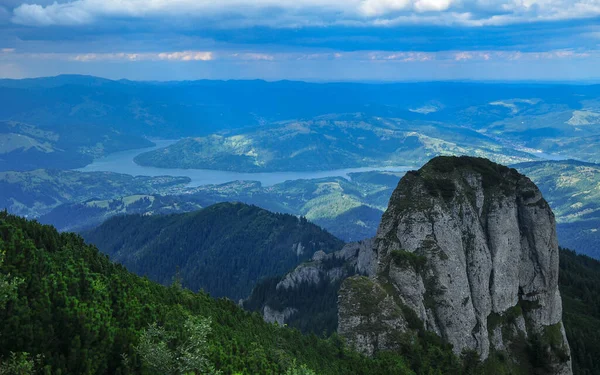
(25,147)
(493,119)
(35,193)
(203,107)
(573,191)
(329,142)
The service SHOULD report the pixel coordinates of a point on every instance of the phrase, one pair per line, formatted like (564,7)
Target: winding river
(122,162)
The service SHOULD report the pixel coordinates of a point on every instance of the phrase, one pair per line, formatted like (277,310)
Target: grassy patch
(444,188)
(504,320)
(405,259)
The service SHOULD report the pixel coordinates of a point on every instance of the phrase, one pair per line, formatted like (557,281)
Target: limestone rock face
(273,316)
(377,319)
(470,247)
(289,298)
(358,257)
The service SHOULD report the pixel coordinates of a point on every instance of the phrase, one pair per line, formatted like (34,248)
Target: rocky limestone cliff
(320,279)
(353,258)
(466,249)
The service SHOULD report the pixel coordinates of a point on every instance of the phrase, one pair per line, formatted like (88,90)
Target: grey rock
(319,255)
(273,316)
(487,242)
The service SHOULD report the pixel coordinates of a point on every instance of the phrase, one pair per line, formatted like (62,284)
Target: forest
(67,309)
(224,249)
(70,310)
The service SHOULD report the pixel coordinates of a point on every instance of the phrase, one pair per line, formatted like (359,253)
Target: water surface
(122,162)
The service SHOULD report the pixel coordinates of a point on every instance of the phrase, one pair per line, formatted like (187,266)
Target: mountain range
(72,119)
(327,143)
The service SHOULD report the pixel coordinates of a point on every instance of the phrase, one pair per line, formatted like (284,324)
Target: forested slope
(72,311)
(224,249)
(580,288)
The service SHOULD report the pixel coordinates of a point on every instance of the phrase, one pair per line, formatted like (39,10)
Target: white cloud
(55,14)
(7,50)
(168,56)
(294,13)
(382,7)
(457,57)
(395,56)
(594,35)
(432,5)
(462,56)
(254,56)
(184,56)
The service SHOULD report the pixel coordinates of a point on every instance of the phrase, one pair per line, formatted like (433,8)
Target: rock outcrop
(307,297)
(353,258)
(469,248)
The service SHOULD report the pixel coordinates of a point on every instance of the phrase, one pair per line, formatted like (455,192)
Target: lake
(122,162)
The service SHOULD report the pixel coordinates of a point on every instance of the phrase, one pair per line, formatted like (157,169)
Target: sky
(313,40)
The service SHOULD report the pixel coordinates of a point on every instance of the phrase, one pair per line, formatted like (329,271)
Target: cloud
(432,5)
(254,56)
(462,56)
(593,35)
(258,56)
(55,14)
(130,56)
(4,15)
(186,56)
(7,50)
(11,71)
(382,7)
(402,56)
(300,13)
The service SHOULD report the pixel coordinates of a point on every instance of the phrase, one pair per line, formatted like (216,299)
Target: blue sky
(317,40)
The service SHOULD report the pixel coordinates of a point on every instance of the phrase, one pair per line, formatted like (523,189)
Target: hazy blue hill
(27,147)
(56,81)
(486,119)
(347,209)
(202,107)
(350,210)
(326,143)
(77,217)
(353,225)
(224,249)
(35,193)
(572,189)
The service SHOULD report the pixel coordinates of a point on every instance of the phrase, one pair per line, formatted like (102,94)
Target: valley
(350,208)
(125,163)
(319,160)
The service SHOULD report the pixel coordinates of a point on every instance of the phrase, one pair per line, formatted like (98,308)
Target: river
(122,162)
